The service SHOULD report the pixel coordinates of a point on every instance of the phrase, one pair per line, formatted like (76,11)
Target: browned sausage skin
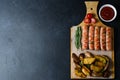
(84,37)
(108,38)
(91,37)
(103,38)
(97,38)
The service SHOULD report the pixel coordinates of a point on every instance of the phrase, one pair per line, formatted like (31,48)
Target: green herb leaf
(78,37)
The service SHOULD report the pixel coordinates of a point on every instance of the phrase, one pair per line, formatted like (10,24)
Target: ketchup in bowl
(107,13)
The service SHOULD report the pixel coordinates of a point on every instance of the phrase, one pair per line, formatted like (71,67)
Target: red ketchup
(107,13)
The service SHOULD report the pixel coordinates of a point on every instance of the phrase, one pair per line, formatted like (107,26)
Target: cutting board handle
(91,7)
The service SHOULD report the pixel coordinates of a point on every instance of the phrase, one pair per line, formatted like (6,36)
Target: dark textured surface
(34,43)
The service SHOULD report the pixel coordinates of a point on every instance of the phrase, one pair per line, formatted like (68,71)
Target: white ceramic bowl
(111,6)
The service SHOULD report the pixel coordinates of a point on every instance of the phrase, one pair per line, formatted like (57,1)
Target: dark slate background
(34,37)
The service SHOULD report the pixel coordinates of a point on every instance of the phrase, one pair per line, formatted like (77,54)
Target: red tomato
(89,15)
(87,20)
(93,20)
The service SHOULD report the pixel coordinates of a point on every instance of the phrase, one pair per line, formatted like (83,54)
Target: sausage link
(91,37)
(103,38)
(97,38)
(108,38)
(84,37)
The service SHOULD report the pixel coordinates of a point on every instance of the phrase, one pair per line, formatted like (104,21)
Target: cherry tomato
(93,20)
(89,15)
(87,20)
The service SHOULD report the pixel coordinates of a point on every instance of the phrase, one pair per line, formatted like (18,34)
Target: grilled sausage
(103,38)
(91,37)
(97,38)
(84,37)
(108,38)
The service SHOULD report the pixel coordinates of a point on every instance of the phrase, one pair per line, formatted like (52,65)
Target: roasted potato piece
(95,74)
(75,58)
(96,68)
(88,60)
(81,56)
(78,67)
(85,70)
(80,74)
(100,58)
(106,57)
(98,63)
(76,62)
(107,63)
(88,54)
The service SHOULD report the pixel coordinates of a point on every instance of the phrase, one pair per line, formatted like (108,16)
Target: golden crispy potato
(88,60)
(96,68)
(85,70)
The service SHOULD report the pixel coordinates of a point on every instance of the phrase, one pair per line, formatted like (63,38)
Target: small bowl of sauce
(107,13)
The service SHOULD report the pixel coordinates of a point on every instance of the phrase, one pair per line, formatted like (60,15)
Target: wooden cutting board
(91,7)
